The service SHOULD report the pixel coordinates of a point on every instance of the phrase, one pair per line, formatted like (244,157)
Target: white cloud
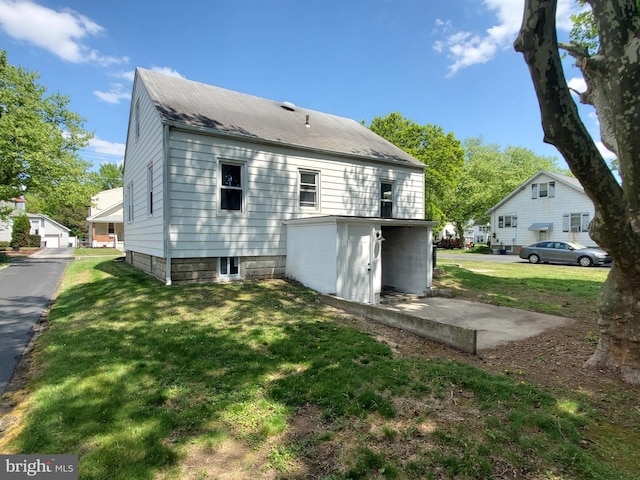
(126,75)
(116,93)
(578,84)
(167,71)
(63,33)
(471,48)
(105,147)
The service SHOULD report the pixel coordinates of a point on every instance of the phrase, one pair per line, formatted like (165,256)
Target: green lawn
(258,380)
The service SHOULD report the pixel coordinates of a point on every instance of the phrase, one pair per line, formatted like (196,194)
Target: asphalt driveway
(27,288)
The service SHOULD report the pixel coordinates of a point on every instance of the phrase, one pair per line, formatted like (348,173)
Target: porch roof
(538,227)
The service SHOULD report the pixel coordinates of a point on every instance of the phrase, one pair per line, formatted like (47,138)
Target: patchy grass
(259,380)
(554,289)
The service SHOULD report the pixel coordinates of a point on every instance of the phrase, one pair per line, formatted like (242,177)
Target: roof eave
(258,140)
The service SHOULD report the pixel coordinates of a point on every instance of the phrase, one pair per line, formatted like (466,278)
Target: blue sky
(447,63)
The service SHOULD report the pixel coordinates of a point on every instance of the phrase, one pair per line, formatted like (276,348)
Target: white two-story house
(548,206)
(220,185)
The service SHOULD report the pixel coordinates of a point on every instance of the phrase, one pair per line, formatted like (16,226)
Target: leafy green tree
(109,176)
(441,153)
(39,140)
(488,175)
(610,66)
(20,231)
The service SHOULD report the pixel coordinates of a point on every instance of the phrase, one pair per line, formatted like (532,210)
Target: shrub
(35,241)
(20,231)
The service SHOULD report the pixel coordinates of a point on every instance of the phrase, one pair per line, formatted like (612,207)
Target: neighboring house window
(386,199)
(543,190)
(130,202)
(150,189)
(35,224)
(229,266)
(309,189)
(575,222)
(111,229)
(137,119)
(231,186)
(508,221)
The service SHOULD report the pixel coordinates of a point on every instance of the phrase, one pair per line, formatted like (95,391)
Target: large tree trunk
(613,80)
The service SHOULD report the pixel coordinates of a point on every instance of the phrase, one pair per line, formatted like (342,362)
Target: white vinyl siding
(144,233)
(271,190)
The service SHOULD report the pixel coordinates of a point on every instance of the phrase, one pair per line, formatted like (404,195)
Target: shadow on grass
(130,370)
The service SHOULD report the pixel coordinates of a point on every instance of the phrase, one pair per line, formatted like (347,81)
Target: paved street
(27,287)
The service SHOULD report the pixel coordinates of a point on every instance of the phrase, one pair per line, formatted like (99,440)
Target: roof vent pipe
(306,123)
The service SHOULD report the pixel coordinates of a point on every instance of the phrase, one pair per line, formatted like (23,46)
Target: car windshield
(576,245)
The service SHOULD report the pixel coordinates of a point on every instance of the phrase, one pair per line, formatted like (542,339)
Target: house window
(575,222)
(543,190)
(111,228)
(309,189)
(229,266)
(386,199)
(130,202)
(137,119)
(150,189)
(508,221)
(231,177)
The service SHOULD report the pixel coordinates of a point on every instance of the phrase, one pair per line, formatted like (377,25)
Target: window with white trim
(137,119)
(150,189)
(386,199)
(130,202)
(575,222)
(543,190)
(231,186)
(507,221)
(309,189)
(229,267)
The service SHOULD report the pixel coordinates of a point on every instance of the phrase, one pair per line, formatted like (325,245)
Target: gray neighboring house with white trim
(220,185)
(548,206)
(52,234)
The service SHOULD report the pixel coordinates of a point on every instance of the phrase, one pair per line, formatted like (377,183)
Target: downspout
(166,208)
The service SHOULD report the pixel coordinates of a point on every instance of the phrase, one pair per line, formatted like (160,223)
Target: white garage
(357,258)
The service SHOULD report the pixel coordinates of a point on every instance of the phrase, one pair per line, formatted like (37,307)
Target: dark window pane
(230,199)
(386,191)
(309,178)
(231,176)
(307,198)
(386,210)
(223,266)
(233,270)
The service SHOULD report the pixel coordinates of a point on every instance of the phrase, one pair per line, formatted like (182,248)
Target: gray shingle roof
(195,104)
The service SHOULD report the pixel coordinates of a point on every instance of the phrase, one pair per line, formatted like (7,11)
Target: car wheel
(585,261)
(533,258)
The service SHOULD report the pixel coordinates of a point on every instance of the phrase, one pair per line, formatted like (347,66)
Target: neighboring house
(220,185)
(52,234)
(105,219)
(548,206)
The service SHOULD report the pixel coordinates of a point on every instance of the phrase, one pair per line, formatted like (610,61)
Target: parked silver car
(564,252)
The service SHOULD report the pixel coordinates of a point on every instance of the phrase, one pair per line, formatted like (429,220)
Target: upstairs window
(507,221)
(308,195)
(543,190)
(137,119)
(386,199)
(231,186)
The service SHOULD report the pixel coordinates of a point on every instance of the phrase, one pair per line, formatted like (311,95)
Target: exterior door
(357,282)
